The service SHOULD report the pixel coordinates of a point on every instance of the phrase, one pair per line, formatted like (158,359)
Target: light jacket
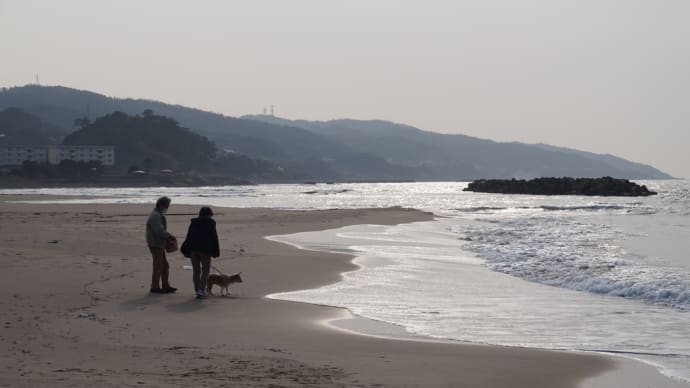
(156,230)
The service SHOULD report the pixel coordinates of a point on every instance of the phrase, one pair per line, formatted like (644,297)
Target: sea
(598,274)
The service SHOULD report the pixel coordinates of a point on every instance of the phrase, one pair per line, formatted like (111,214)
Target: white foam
(564,252)
(417,276)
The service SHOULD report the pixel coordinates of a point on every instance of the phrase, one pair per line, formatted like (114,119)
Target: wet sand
(77,312)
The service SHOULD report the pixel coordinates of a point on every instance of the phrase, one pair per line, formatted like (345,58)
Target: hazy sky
(603,76)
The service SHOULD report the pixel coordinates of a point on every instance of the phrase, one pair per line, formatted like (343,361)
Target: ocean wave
(327,192)
(676,201)
(472,209)
(628,208)
(585,207)
(576,255)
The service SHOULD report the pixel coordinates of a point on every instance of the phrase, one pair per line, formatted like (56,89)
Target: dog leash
(242,250)
(217,270)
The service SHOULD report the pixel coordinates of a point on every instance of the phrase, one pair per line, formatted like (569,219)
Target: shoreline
(626,367)
(627,364)
(101,326)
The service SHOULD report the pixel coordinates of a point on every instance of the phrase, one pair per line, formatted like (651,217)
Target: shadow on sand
(188,306)
(142,302)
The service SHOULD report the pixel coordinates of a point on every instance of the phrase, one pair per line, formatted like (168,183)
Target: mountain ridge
(343,149)
(456,142)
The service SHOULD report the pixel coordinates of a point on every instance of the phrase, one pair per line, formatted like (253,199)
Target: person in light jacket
(200,245)
(156,238)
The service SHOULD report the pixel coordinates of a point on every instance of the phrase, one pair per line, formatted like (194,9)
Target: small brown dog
(223,281)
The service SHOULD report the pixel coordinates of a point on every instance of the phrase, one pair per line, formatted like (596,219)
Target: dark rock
(605,186)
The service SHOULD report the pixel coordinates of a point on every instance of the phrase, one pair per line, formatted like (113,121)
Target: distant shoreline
(10,182)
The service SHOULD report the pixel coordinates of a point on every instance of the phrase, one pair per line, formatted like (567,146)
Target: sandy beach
(77,312)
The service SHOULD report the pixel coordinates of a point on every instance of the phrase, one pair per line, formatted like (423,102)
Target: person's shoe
(200,294)
(156,290)
(169,290)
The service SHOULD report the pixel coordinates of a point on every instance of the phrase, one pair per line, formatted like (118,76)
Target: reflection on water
(565,272)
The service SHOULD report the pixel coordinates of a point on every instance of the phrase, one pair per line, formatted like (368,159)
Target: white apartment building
(15,155)
(103,154)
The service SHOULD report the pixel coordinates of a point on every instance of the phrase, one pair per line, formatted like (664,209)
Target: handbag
(184,249)
(171,244)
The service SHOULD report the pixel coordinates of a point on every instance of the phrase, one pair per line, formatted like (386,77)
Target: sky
(596,75)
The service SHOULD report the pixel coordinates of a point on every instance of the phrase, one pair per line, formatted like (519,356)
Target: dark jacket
(202,237)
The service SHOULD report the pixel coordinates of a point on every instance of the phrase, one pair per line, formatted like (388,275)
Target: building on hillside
(103,154)
(15,155)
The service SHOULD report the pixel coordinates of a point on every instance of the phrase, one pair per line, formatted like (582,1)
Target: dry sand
(76,312)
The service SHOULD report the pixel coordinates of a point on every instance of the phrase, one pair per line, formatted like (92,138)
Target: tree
(82,122)
(30,169)
(157,138)
(148,164)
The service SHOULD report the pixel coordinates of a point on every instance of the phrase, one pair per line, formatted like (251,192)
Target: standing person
(200,245)
(156,238)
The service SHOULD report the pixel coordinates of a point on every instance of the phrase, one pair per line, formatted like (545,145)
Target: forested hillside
(147,141)
(18,127)
(337,149)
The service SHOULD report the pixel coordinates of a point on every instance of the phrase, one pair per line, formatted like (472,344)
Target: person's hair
(162,202)
(205,212)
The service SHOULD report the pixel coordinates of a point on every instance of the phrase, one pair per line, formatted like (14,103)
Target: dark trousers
(161,268)
(201,266)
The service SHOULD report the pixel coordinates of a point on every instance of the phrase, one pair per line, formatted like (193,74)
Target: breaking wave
(566,253)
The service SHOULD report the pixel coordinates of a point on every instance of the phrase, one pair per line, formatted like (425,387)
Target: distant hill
(450,155)
(18,127)
(143,142)
(339,149)
(61,106)
(302,153)
(148,141)
(630,169)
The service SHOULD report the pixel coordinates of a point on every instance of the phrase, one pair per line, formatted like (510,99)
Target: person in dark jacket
(201,244)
